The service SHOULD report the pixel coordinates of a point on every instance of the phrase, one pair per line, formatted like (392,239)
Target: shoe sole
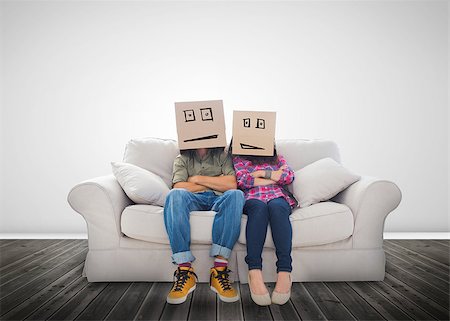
(224,298)
(182,299)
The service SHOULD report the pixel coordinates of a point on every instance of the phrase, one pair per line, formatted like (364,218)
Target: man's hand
(194,179)
(220,183)
(191,187)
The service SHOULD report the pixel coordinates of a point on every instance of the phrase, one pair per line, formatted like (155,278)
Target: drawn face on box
(200,124)
(253,133)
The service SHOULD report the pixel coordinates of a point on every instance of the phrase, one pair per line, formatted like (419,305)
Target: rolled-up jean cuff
(182,257)
(255,267)
(220,250)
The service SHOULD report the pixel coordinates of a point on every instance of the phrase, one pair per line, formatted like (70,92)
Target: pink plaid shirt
(245,181)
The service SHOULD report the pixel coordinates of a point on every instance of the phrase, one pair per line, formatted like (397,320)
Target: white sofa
(337,240)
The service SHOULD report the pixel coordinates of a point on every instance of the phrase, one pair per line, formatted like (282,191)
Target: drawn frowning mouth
(200,138)
(247,146)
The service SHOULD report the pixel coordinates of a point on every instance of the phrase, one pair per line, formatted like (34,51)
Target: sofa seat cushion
(146,223)
(318,224)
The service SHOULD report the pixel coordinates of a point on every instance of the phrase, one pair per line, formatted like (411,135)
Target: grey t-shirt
(212,165)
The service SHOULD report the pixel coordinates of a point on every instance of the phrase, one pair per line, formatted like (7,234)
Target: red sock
(187,264)
(220,262)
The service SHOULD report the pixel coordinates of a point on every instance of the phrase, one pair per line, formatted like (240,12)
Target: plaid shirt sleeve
(243,177)
(288,174)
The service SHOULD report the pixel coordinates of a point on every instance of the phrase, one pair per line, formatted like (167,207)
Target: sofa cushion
(318,224)
(146,223)
(301,152)
(320,181)
(153,154)
(140,185)
(156,155)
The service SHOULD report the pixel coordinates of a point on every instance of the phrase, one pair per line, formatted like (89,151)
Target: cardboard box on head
(253,133)
(200,124)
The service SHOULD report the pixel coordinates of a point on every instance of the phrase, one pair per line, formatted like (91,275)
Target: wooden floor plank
(282,312)
(417,256)
(425,248)
(30,258)
(230,311)
(23,279)
(402,302)
(4,244)
(251,310)
(204,303)
(423,287)
(383,306)
(353,302)
(332,308)
(176,311)
(31,304)
(49,308)
(154,302)
(27,248)
(419,299)
(436,272)
(35,260)
(103,303)
(129,304)
(72,308)
(440,245)
(16,297)
(417,272)
(443,242)
(304,303)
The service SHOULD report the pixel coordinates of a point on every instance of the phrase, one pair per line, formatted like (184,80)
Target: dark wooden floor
(41,280)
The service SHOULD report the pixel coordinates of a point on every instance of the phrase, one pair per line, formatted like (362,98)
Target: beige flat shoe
(259,299)
(281,298)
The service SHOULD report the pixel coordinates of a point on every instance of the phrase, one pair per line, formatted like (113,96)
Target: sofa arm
(370,200)
(100,201)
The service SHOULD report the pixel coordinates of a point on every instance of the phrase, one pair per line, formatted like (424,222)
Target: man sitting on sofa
(203,179)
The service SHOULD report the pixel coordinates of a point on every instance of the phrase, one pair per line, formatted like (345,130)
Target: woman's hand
(257,174)
(276,175)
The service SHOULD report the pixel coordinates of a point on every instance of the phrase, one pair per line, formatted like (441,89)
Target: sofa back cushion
(157,155)
(302,152)
(153,154)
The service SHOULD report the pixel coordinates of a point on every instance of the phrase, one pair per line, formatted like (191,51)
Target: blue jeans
(226,227)
(259,215)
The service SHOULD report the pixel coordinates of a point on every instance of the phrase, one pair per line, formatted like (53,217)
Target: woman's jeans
(226,227)
(260,214)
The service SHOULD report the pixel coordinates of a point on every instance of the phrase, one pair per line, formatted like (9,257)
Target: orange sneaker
(184,283)
(219,282)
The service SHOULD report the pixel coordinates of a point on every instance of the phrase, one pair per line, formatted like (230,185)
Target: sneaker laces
(224,279)
(181,278)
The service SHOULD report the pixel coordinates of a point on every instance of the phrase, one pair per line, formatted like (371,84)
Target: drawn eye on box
(260,123)
(189,115)
(206,114)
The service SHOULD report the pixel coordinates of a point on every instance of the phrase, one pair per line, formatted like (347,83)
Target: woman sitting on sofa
(262,179)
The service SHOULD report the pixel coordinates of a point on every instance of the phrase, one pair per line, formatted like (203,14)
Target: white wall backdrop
(79,79)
